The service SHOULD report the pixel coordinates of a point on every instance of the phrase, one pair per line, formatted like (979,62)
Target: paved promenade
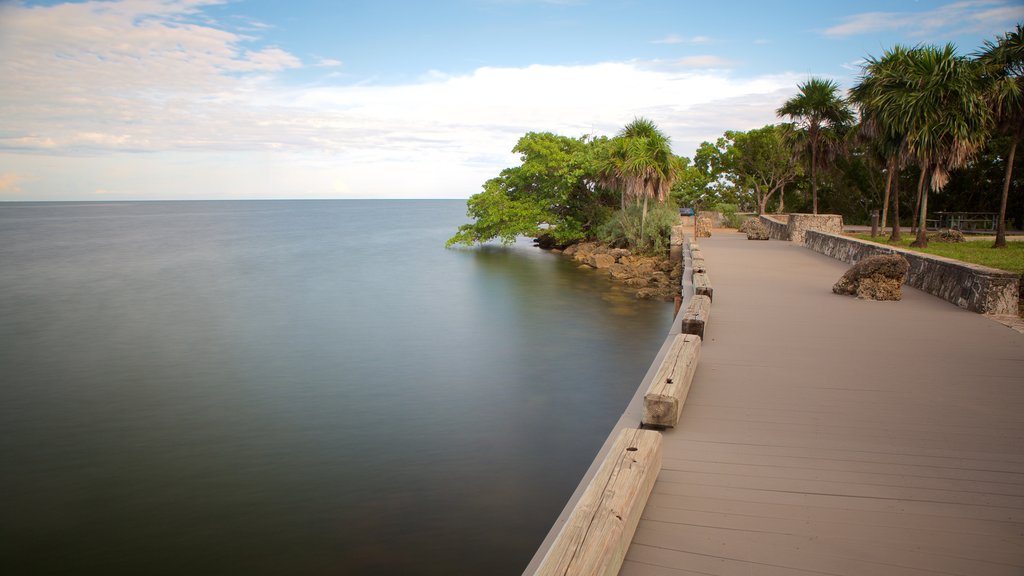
(828,435)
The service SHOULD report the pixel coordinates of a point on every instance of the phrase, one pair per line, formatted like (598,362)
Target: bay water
(295,387)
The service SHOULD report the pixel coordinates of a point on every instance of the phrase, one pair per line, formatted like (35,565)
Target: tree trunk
(917,203)
(895,179)
(1001,226)
(922,220)
(885,199)
(814,177)
(782,201)
(643,219)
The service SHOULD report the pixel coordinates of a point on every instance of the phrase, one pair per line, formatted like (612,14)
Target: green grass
(974,251)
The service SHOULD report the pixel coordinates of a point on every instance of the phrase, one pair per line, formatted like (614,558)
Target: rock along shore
(651,277)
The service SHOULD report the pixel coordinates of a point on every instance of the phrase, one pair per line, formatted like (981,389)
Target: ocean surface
(295,387)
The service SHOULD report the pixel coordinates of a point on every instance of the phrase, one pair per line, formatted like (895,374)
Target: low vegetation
(974,251)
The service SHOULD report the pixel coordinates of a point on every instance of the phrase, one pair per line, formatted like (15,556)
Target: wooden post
(663,402)
(594,540)
(696,316)
(702,285)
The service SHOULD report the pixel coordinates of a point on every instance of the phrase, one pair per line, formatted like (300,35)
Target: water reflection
(296,387)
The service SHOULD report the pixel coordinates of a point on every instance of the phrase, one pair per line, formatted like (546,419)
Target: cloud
(9,182)
(704,61)
(676,39)
(328,62)
(150,97)
(947,20)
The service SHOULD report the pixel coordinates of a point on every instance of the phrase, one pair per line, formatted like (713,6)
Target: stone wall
(977,288)
(776,230)
(795,226)
(800,224)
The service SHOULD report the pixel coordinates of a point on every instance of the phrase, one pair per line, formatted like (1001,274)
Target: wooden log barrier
(663,402)
(702,285)
(597,534)
(697,263)
(696,315)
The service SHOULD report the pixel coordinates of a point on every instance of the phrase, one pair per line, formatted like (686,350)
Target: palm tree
(1003,70)
(822,114)
(640,164)
(934,98)
(880,77)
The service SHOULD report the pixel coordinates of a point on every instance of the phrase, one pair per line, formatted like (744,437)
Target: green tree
(1002,64)
(881,77)
(691,185)
(640,164)
(555,184)
(821,115)
(709,180)
(763,161)
(935,99)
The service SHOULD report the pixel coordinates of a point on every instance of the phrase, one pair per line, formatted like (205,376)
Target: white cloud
(704,61)
(148,99)
(947,20)
(676,39)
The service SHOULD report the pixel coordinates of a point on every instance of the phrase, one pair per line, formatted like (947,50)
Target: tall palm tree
(640,164)
(935,100)
(821,113)
(881,77)
(1003,70)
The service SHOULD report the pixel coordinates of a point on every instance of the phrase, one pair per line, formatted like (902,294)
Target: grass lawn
(974,251)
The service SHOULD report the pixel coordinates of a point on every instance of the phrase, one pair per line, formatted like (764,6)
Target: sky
(210,99)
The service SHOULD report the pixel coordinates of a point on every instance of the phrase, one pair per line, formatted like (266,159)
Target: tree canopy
(556,184)
(929,118)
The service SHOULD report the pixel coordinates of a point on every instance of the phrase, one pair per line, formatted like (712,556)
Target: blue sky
(198,99)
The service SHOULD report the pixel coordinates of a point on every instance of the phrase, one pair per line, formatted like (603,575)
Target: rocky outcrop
(877,277)
(756,230)
(651,277)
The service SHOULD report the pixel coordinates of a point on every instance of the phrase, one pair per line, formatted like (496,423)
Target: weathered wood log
(702,285)
(663,402)
(696,315)
(597,534)
(697,263)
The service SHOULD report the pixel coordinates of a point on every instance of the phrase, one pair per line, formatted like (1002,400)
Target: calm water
(295,387)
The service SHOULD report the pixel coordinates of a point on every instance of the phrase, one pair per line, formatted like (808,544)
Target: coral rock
(756,230)
(877,277)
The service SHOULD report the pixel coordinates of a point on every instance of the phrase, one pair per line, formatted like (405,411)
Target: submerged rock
(877,277)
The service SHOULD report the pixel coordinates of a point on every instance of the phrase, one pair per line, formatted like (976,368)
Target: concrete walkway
(828,435)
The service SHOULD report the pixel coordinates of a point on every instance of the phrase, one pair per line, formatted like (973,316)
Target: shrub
(729,214)
(622,230)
